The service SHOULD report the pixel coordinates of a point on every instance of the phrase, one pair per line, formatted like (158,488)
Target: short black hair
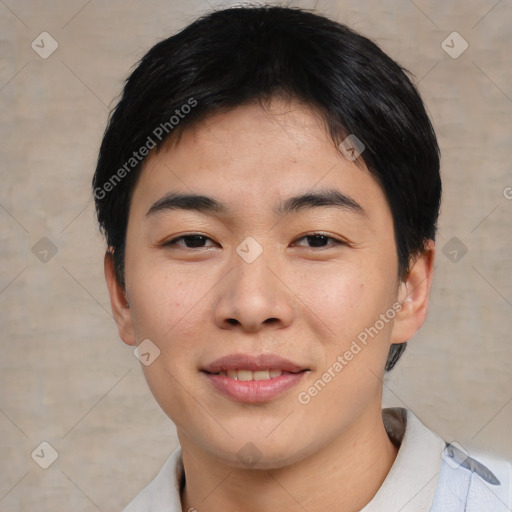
(235,56)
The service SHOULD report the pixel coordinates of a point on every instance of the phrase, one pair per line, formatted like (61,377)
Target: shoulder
(478,482)
(443,477)
(163,492)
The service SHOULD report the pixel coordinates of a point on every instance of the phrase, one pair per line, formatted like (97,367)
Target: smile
(253,378)
(246,375)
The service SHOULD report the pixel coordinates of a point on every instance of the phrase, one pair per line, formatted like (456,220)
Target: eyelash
(308,235)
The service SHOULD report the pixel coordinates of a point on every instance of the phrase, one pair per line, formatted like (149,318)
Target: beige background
(65,376)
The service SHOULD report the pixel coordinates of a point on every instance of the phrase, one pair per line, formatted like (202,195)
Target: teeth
(250,375)
(261,375)
(245,375)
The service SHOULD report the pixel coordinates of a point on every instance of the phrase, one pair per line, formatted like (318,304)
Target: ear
(413,295)
(120,308)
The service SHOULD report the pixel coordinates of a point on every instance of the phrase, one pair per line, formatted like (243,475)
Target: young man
(269,189)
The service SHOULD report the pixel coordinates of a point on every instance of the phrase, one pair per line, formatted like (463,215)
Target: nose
(252,297)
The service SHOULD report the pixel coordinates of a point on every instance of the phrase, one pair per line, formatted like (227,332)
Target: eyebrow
(306,201)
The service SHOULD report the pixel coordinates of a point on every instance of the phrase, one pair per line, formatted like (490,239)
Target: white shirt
(427,476)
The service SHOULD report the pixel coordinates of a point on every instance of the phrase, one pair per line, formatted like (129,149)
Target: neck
(343,475)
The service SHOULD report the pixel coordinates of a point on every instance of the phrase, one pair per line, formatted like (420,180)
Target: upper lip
(252,362)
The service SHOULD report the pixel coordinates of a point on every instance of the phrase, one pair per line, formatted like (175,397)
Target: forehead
(252,155)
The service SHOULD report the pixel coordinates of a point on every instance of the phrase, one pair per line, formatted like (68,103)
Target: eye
(320,240)
(193,241)
(198,241)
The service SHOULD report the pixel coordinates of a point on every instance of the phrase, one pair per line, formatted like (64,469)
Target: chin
(260,454)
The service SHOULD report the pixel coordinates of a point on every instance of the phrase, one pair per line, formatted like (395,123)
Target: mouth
(251,379)
(246,375)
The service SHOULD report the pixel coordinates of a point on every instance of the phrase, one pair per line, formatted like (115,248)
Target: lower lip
(253,391)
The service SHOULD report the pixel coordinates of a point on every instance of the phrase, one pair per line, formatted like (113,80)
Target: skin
(297,300)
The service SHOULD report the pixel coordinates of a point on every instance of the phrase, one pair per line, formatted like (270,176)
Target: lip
(253,363)
(253,391)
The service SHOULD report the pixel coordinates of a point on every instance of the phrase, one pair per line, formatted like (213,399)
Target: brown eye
(319,240)
(189,241)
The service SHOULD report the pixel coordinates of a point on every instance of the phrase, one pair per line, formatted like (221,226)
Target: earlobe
(119,304)
(413,295)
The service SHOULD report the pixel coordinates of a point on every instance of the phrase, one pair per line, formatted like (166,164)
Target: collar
(411,483)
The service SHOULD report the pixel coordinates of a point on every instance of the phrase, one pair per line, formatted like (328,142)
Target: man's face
(263,280)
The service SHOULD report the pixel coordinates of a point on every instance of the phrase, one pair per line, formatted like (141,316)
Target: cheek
(340,298)
(344,306)
(167,310)
(163,304)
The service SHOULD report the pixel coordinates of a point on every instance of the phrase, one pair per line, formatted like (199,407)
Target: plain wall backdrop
(67,379)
